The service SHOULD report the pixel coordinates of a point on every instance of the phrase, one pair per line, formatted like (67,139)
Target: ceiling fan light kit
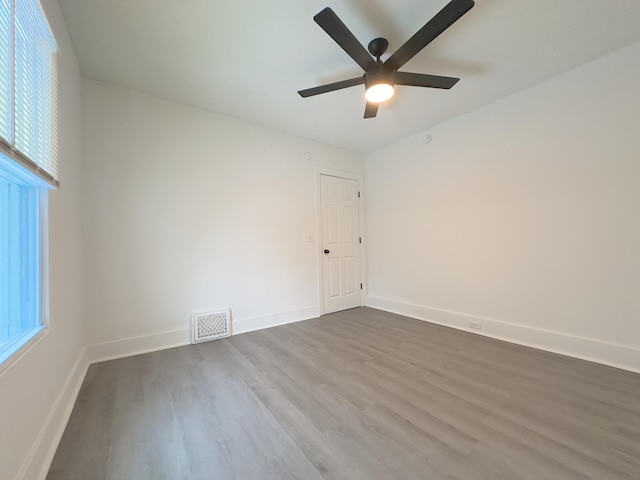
(378,93)
(380,77)
(378,84)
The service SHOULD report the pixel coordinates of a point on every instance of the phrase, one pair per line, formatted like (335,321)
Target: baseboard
(245,325)
(126,347)
(619,356)
(44,448)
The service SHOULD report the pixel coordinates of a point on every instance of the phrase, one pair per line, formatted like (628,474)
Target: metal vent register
(210,325)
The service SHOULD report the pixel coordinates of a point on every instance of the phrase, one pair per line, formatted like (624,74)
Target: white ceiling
(248,58)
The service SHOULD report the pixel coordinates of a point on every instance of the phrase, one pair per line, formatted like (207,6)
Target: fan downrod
(377,47)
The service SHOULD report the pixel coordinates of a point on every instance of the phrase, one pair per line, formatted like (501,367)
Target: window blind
(6,69)
(28,87)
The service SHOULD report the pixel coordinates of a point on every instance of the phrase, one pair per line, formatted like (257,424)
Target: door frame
(319,172)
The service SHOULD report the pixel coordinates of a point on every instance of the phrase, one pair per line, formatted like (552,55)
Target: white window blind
(6,69)
(28,87)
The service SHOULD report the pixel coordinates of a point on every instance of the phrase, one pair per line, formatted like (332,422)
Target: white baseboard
(44,448)
(619,356)
(245,325)
(126,347)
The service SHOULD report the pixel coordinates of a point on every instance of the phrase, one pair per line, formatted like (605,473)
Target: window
(28,167)
(20,258)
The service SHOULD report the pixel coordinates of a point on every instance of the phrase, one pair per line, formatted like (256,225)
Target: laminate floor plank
(359,394)
(88,432)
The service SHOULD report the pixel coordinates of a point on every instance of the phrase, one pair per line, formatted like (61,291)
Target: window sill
(14,350)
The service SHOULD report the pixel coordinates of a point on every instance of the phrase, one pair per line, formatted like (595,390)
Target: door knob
(326,251)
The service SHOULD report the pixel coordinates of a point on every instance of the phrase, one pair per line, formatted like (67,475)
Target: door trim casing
(319,172)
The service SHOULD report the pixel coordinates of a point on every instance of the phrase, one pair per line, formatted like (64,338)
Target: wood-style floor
(360,394)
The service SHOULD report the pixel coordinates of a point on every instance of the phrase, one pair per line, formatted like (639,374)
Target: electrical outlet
(475,325)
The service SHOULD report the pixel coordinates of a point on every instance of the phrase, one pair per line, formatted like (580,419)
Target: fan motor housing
(378,74)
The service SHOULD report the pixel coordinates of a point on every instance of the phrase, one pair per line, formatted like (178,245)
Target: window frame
(17,347)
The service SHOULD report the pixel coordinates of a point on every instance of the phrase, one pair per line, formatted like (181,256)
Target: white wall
(524,215)
(187,210)
(38,390)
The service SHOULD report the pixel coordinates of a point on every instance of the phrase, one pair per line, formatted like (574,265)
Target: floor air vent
(210,325)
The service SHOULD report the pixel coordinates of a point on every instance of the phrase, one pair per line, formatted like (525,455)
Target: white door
(340,243)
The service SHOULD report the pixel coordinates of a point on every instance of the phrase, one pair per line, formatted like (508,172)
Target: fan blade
(371,110)
(337,30)
(422,80)
(434,27)
(330,87)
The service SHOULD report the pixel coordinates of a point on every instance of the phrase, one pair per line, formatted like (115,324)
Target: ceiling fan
(380,77)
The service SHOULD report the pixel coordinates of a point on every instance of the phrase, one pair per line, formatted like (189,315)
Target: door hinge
(360,286)
(358,194)
(360,239)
